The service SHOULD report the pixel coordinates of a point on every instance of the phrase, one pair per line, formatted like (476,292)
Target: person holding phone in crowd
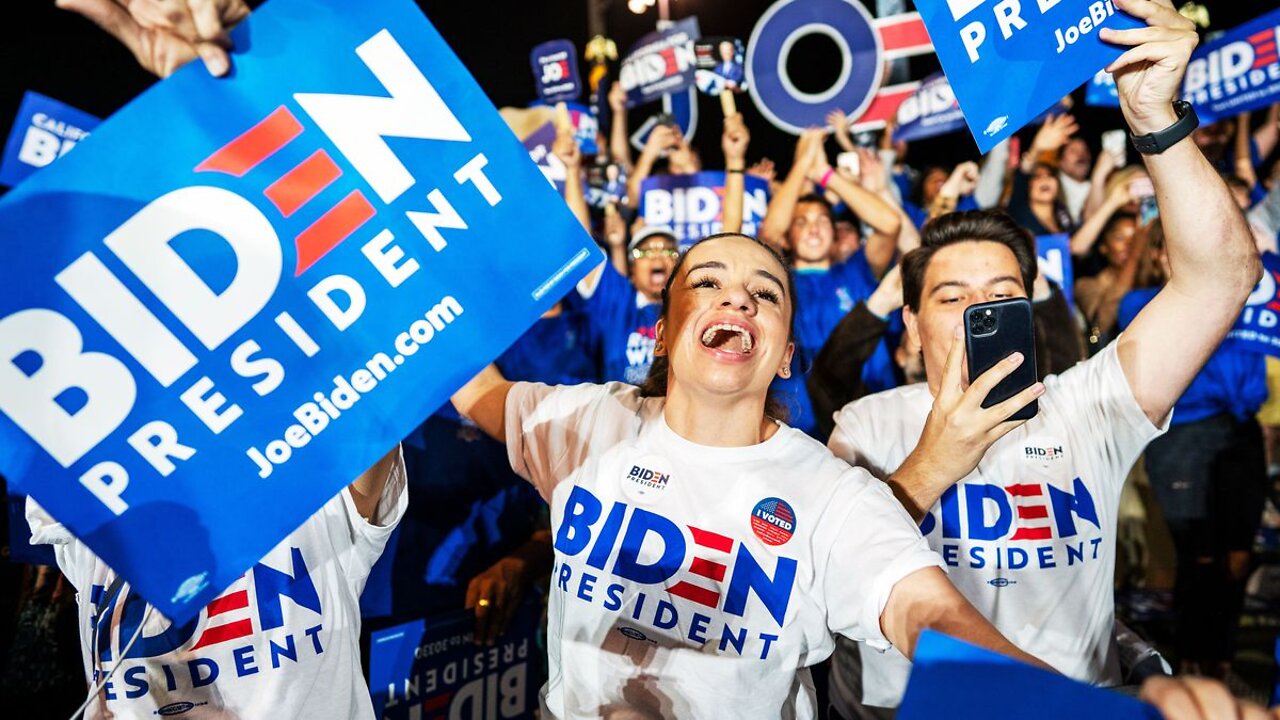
(1029,532)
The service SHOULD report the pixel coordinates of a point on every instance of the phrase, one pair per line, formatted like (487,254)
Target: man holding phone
(1024,512)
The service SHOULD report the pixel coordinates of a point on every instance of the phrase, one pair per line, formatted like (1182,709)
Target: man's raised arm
(1213,262)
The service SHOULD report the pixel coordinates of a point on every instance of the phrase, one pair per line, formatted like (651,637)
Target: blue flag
(931,110)
(1259,325)
(1054,255)
(1008,61)
(692,206)
(240,293)
(1237,72)
(433,668)
(43,131)
(958,681)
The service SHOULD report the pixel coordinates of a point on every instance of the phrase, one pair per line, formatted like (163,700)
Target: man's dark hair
(818,199)
(974,226)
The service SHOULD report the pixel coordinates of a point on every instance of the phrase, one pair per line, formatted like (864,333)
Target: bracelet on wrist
(826,178)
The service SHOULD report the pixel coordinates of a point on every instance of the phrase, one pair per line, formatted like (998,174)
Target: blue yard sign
(692,206)
(1258,328)
(432,668)
(239,293)
(1009,60)
(43,131)
(1237,72)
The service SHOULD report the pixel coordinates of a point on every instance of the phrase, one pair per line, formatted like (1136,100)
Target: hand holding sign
(164,35)
(1149,76)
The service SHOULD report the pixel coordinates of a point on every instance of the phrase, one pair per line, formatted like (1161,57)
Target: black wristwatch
(1157,142)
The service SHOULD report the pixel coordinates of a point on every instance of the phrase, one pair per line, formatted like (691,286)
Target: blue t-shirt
(1233,381)
(823,298)
(621,324)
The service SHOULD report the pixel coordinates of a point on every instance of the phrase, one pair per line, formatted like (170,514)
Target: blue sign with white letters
(43,131)
(555,71)
(660,63)
(692,206)
(210,326)
(1011,59)
(1258,328)
(1237,72)
(433,668)
(931,110)
(1054,255)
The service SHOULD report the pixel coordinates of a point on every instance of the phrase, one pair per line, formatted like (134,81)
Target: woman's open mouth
(728,338)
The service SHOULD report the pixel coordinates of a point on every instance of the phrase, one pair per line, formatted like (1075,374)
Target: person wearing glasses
(622,311)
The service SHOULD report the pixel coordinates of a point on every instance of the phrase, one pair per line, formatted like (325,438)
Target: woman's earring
(786,371)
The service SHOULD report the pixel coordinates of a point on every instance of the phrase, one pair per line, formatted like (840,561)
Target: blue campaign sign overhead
(660,63)
(1009,60)
(1237,72)
(1258,328)
(555,71)
(239,293)
(43,131)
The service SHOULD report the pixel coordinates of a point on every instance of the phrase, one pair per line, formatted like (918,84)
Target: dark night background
(63,56)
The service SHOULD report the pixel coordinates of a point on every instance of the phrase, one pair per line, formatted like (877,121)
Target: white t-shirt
(282,642)
(1029,536)
(694,581)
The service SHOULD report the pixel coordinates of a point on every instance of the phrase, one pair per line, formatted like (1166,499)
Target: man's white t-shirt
(1029,536)
(282,642)
(694,581)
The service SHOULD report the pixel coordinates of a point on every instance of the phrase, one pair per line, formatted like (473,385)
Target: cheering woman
(705,552)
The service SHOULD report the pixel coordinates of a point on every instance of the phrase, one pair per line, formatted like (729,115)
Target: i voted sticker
(773,521)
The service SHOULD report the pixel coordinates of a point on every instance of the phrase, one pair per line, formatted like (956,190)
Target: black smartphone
(992,332)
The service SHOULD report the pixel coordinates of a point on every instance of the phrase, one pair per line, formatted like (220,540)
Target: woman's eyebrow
(708,265)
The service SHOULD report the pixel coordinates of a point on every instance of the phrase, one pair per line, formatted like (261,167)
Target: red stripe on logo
(332,228)
(1040,533)
(710,540)
(707,569)
(1024,490)
(255,145)
(1260,36)
(700,595)
(302,183)
(1265,60)
(1034,512)
(223,633)
(229,602)
(904,35)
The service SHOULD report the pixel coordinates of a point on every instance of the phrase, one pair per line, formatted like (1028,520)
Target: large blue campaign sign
(844,22)
(212,324)
(1237,72)
(692,206)
(958,681)
(433,668)
(660,63)
(43,131)
(555,71)
(1054,255)
(1011,59)
(1259,325)
(931,110)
